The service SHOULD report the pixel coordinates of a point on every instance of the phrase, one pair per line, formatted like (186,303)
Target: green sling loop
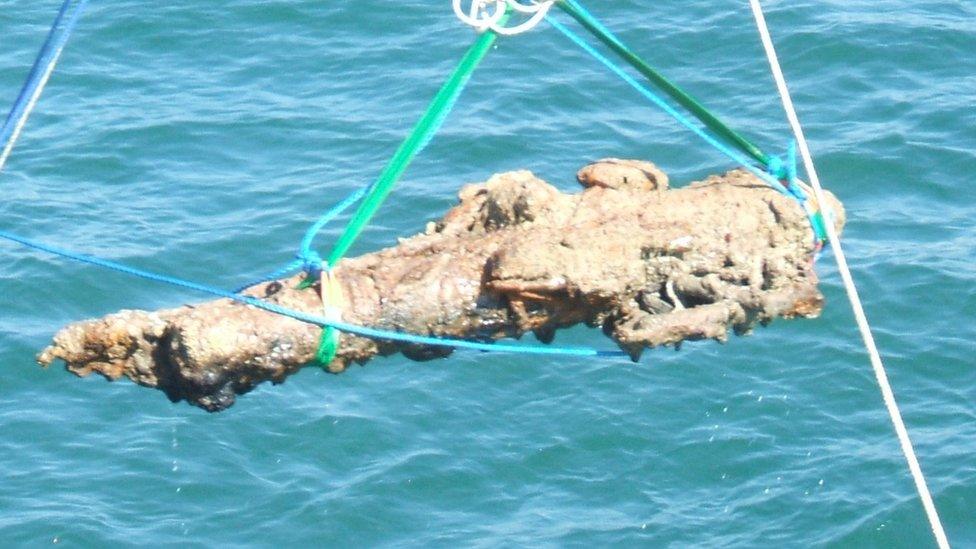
(425,129)
(422,133)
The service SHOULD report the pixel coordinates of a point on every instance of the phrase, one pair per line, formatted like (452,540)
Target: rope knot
(311,263)
(775,167)
(784,169)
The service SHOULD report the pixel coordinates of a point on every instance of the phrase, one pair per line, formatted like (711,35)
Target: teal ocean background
(199,138)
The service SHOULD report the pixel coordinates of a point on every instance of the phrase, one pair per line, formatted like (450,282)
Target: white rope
(487,14)
(478,14)
(845,273)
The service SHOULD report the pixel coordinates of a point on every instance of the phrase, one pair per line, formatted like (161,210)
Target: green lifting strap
(425,129)
(422,133)
(680,96)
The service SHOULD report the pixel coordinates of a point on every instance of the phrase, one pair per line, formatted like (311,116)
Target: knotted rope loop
(311,263)
(485,15)
(774,167)
(784,169)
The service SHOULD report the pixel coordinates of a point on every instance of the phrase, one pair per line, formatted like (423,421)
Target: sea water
(200,138)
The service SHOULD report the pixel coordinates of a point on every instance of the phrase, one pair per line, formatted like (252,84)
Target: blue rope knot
(775,168)
(785,170)
(311,263)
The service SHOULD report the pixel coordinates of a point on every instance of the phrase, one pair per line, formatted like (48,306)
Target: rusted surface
(649,265)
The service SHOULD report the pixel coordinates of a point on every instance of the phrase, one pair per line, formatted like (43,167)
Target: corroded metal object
(651,266)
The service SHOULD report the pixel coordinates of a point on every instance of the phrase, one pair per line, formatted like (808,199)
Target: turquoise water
(200,138)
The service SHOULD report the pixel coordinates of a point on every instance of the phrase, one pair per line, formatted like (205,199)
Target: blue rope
(307,259)
(596,22)
(282,272)
(784,169)
(373,333)
(305,251)
(46,58)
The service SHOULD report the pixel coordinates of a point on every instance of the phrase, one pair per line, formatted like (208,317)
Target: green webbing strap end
(332,302)
(328,347)
(425,129)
